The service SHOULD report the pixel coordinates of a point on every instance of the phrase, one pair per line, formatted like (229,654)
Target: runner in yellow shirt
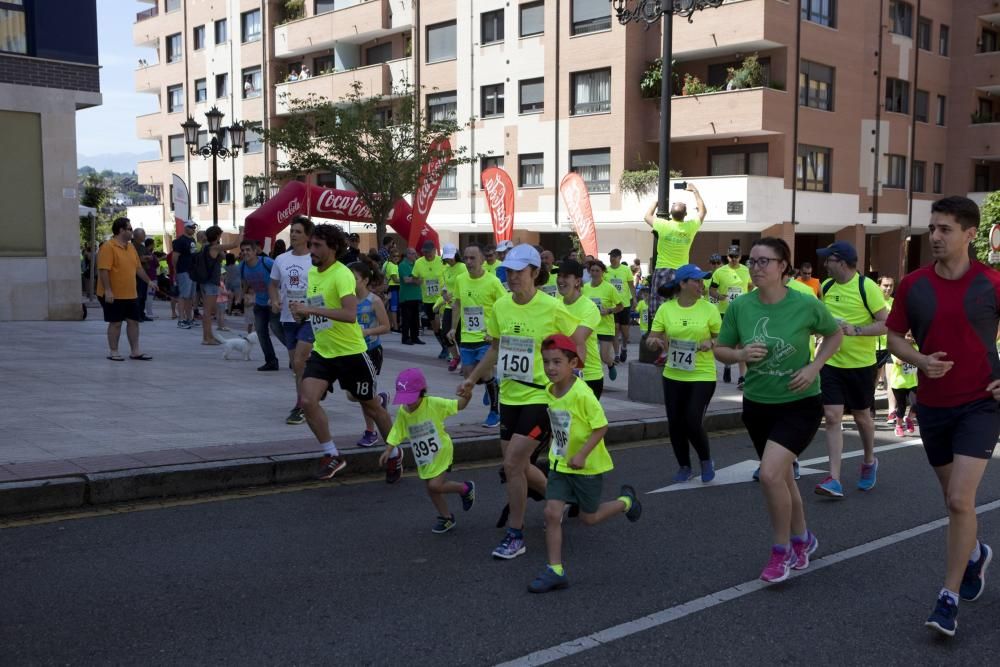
(584,310)
(730,282)
(453,270)
(609,302)
(620,275)
(430,271)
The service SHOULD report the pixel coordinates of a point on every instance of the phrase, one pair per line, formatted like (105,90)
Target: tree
(96,196)
(989,215)
(357,139)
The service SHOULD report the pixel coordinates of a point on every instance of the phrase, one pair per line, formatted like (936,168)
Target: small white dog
(241,345)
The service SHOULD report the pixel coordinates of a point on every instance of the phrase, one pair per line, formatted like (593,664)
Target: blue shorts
(209,289)
(393,299)
(186,288)
(297,331)
(473,355)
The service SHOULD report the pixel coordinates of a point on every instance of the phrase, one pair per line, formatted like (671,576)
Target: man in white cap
(502,249)
(453,270)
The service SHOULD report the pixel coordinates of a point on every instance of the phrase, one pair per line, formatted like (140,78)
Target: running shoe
(944,618)
(486,398)
(394,469)
(707,471)
(740,381)
(368,439)
(612,373)
(803,550)
(547,581)
(510,547)
(635,511)
(296,416)
(330,466)
(779,566)
(492,420)
(417,341)
(469,499)
(624,356)
(830,487)
(795,469)
(909,426)
(974,578)
(727,374)
(869,475)
(443,524)
(453,365)
(683,474)
(891,419)
(443,354)
(899,431)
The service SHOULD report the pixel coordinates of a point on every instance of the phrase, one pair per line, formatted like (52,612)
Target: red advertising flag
(574,194)
(427,188)
(500,199)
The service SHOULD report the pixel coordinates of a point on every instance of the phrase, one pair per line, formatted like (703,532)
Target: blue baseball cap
(690,272)
(522,256)
(839,250)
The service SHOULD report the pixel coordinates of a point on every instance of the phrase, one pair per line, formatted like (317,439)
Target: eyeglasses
(761,262)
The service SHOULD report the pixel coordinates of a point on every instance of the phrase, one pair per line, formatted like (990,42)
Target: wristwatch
(857,330)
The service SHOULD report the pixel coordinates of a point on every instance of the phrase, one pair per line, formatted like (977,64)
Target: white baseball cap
(449,251)
(504,246)
(522,256)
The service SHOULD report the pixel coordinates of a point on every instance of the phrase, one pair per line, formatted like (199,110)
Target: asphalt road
(351,574)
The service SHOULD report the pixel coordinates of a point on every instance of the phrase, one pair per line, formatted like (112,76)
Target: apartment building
(48,71)
(896,105)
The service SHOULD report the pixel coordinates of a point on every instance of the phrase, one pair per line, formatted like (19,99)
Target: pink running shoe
(803,550)
(909,426)
(779,566)
(899,430)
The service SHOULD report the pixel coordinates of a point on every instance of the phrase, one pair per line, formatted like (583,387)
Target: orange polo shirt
(812,283)
(121,264)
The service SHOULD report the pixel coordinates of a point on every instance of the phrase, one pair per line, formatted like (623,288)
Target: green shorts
(584,490)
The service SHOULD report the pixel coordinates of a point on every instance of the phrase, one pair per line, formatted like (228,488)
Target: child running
(902,377)
(578,458)
(374,322)
(420,421)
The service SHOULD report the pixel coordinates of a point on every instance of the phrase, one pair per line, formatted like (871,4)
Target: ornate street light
(258,189)
(215,148)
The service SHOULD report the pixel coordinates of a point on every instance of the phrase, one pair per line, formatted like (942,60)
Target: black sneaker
(635,511)
(330,466)
(739,383)
(394,469)
(296,416)
(727,375)
(624,357)
(443,524)
(974,578)
(469,499)
(269,367)
(417,341)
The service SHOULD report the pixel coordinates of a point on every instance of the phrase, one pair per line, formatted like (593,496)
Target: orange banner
(577,199)
(499,192)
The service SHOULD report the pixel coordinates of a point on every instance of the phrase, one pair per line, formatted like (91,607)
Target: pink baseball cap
(409,384)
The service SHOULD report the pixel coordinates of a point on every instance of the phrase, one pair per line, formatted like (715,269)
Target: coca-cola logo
(339,205)
(428,187)
(286,214)
(496,194)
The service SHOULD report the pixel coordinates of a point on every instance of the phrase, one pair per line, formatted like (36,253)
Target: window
(222,85)
(171,5)
(441,43)
(896,178)
(938,178)
(594,167)
(175,147)
(492,101)
(897,95)
(378,54)
(491,161)
(988,41)
(253,143)
(901,18)
(981,178)
(221,31)
(250,26)
(175,49)
(921,106)
(324,6)
(442,107)
(590,16)
(532,93)
(529,170)
(200,90)
(175,98)
(924,28)
(198,37)
(823,12)
(816,86)
(251,82)
(326,180)
(449,184)
(918,176)
(591,91)
(943,33)
(532,19)
(202,193)
(383,117)
(491,27)
(323,65)
(225,192)
(942,104)
(749,160)
(812,169)
(13,27)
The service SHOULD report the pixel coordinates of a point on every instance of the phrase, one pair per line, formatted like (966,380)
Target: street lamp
(215,148)
(258,189)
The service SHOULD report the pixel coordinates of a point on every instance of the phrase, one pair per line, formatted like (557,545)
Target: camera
(681,186)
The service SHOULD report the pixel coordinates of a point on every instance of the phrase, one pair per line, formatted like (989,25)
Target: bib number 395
(425,443)
(517,358)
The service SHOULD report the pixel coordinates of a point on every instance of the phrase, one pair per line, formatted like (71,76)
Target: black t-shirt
(352,255)
(184,247)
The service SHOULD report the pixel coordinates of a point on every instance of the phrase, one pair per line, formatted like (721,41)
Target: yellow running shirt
(573,418)
(731,284)
(621,278)
(391,272)
(432,274)
(607,297)
(477,296)
(584,310)
(686,329)
(424,430)
(845,304)
(326,289)
(673,242)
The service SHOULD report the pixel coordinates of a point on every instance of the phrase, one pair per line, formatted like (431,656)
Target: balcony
(150,126)
(149,78)
(738,25)
(736,113)
(147,14)
(356,24)
(375,80)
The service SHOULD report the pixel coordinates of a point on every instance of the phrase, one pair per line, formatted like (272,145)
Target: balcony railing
(147,14)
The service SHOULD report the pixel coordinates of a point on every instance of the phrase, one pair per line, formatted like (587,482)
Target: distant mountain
(119,162)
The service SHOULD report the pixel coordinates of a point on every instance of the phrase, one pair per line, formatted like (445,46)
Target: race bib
(475,318)
(433,286)
(682,354)
(909,369)
(551,290)
(597,302)
(517,358)
(712,300)
(617,282)
(734,293)
(644,319)
(295,296)
(425,443)
(559,421)
(318,322)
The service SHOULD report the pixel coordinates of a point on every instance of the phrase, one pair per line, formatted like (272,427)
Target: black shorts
(854,388)
(354,372)
(120,310)
(446,320)
(596,386)
(428,311)
(791,425)
(530,420)
(375,354)
(606,338)
(968,430)
(624,316)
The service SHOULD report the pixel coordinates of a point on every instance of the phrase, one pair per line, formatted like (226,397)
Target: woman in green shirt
(769,329)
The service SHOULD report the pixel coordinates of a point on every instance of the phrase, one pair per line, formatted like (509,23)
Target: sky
(110,128)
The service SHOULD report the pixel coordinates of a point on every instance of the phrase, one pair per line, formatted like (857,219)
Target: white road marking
(849,455)
(664,616)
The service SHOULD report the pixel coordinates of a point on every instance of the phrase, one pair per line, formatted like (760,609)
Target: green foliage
(694,86)
(652,78)
(989,215)
(749,75)
(294,9)
(641,182)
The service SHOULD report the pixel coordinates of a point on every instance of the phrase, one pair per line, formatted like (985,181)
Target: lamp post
(214,149)
(258,189)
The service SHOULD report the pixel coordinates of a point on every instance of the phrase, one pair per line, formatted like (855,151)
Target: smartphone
(681,186)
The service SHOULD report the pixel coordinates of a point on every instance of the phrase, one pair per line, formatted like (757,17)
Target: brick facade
(28,71)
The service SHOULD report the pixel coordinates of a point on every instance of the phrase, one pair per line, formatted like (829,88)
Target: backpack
(861,286)
(266,261)
(201,266)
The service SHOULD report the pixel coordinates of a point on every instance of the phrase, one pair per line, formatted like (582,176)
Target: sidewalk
(68,413)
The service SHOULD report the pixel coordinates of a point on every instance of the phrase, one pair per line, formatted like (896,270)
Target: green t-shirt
(407,292)
(845,304)
(731,284)
(521,330)
(585,311)
(433,275)
(476,297)
(621,278)
(643,309)
(686,329)
(424,430)
(333,337)
(785,328)
(573,417)
(607,297)
(673,242)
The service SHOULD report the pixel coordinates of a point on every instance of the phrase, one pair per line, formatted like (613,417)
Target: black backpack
(861,286)
(201,266)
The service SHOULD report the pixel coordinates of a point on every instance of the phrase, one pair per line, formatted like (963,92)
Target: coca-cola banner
(577,199)
(499,190)
(182,205)
(427,188)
